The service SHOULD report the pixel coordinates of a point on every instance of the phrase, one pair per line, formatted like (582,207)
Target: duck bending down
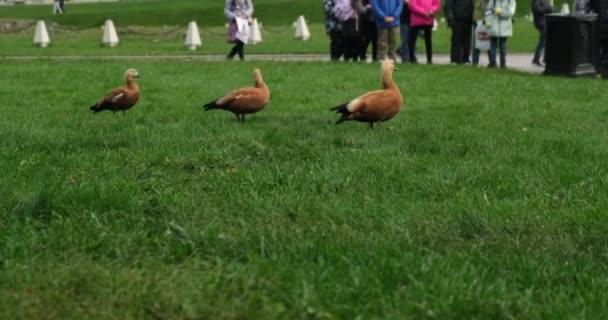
(121,98)
(244,100)
(374,106)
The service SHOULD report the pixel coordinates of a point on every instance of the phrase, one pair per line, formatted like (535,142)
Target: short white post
(110,38)
(193,37)
(41,35)
(302,29)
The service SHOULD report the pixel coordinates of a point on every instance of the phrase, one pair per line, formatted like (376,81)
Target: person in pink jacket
(423,16)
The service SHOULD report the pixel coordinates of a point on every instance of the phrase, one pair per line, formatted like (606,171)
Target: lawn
(158,28)
(485,198)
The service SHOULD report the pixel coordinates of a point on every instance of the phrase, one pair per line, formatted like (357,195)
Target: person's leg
(232,51)
(365,40)
(374,34)
(404,30)
(603,57)
(392,43)
(459,26)
(492,52)
(476,52)
(428,43)
(466,41)
(503,51)
(454,52)
(335,45)
(240,49)
(539,47)
(412,43)
(382,43)
(350,48)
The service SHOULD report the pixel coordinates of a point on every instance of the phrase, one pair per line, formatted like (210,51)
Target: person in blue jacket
(387,13)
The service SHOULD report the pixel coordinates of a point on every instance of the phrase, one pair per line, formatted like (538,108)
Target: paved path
(515,61)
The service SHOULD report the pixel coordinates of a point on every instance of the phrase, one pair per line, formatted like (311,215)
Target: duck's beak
(138,75)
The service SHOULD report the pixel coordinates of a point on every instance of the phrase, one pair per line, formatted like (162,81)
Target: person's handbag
(243,29)
(482,36)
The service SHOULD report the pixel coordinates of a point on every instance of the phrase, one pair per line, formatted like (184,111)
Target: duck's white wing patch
(352,104)
(117,97)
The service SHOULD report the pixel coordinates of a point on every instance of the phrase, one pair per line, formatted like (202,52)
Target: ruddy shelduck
(244,100)
(374,106)
(121,98)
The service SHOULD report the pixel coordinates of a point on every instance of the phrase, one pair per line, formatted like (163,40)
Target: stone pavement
(515,61)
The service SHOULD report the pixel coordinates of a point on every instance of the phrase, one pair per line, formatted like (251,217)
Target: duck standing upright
(121,98)
(374,106)
(244,100)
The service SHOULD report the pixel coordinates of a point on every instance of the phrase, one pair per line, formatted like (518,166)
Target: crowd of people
(354,25)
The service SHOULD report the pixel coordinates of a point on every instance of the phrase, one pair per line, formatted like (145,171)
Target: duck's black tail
(342,110)
(212,105)
(101,107)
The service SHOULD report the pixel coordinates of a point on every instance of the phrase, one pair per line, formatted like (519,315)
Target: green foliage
(485,198)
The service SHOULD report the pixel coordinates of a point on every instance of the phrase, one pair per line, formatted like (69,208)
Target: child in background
(350,25)
(387,13)
(423,17)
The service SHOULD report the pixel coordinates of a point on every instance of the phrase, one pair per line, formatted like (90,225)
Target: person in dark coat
(539,9)
(600,7)
(369,32)
(459,15)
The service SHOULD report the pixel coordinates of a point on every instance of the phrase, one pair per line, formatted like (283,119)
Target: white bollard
(255,36)
(110,38)
(565,9)
(193,37)
(302,29)
(41,35)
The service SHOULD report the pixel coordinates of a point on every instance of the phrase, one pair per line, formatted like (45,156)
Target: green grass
(485,198)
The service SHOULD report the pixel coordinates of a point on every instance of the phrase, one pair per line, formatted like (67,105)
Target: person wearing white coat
(499,18)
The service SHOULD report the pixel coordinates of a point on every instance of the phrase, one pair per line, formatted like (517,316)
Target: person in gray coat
(499,18)
(539,9)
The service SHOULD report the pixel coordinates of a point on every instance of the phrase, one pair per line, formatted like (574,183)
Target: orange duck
(374,106)
(121,98)
(244,100)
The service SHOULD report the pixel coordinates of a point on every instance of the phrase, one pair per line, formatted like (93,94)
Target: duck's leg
(243,118)
(238,117)
(371,125)
(123,113)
